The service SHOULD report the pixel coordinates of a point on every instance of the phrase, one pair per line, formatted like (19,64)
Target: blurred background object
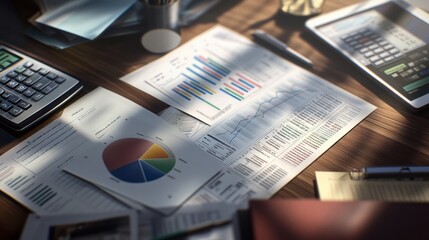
(301,7)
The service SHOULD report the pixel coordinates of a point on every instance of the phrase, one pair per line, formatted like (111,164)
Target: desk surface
(389,136)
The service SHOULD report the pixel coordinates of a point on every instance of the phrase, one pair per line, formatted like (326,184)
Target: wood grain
(390,135)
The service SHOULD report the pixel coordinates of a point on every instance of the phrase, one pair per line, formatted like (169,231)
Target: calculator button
(374,58)
(20,69)
(6,95)
(12,74)
(20,78)
(373,46)
(384,55)
(43,71)
(1,91)
(4,80)
(21,88)
(393,51)
(37,96)
(28,73)
(383,43)
(29,92)
(12,84)
(60,80)
(31,80)
(5,106)
(23,104)
(358,46)
(389,58)
(15,111)
(364,50)
(49,88)
(388,46)
(28,64)
(398,55)
(380,40)
(39,85)
(51,75)
(379,62)
(13,99)
(378,50)
(35,68)
(369,54)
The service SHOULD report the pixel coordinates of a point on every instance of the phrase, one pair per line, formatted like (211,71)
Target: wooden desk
(388,136)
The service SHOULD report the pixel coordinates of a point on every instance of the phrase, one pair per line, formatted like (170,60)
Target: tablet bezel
(314,23)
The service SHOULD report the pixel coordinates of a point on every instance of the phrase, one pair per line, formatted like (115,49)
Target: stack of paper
(63,23)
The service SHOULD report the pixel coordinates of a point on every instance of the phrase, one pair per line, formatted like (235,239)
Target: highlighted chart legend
(138,160)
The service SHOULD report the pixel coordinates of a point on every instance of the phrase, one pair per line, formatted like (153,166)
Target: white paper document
(212,75)
(31,172)
(188,220)
(278,134)
(339,186)
(121,225)
(138,156)
(272,135)
(84,18)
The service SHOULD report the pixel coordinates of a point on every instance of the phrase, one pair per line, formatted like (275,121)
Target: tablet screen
(390,42)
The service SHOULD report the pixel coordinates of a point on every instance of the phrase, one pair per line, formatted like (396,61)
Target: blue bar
(230,94)
(202,99)
(198,85)
(181,94)
(208,73)
(195,87)
(188,77)
(248,84)
(214,68)
(199,75)
(234,84)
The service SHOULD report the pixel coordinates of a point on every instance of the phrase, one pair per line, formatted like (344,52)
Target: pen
(269,39)
(182,234)
(395,172)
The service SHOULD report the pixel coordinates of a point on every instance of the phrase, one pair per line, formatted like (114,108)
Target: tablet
(388,40)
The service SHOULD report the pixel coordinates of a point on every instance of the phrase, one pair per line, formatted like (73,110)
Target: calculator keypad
(372,46)
(29,90)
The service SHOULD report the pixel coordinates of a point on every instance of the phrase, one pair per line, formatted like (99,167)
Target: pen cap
(162,29)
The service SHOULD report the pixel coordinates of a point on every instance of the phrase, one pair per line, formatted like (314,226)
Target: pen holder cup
(162,30)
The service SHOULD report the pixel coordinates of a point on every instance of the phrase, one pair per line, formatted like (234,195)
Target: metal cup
(162,30)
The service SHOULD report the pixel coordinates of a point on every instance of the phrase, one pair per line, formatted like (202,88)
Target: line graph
(260,115)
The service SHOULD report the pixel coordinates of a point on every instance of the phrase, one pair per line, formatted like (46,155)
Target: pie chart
(137,160)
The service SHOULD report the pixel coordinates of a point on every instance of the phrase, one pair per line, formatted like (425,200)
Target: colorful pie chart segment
(137,160)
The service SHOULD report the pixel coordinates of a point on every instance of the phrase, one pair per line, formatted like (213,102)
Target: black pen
(269,39)
(395,172)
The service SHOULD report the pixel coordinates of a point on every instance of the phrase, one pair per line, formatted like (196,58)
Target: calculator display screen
(7,59)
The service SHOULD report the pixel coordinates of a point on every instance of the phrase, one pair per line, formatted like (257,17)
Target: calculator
(388,40)
(30,89)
